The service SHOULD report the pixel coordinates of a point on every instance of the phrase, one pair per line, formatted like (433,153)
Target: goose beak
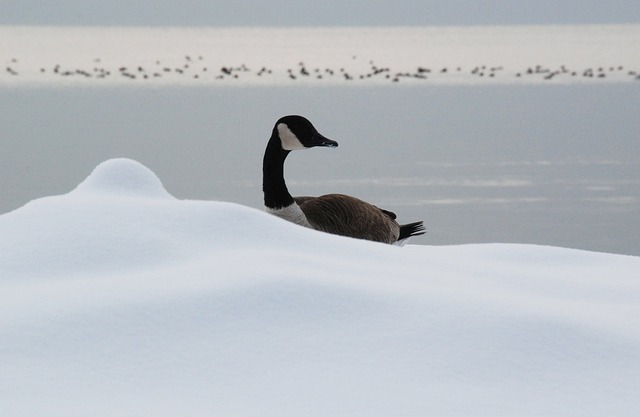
(320,140)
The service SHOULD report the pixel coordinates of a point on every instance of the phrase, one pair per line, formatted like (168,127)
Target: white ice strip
(319,56)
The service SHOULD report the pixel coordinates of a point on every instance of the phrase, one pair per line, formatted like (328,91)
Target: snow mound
(121,219)
(124,177)
(135,303)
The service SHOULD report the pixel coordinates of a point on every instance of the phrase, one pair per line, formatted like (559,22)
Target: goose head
(296,132)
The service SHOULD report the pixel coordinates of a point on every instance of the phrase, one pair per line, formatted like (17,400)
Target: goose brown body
(349,216)
(332,213)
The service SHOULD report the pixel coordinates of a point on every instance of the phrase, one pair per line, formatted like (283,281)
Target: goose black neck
(275,191)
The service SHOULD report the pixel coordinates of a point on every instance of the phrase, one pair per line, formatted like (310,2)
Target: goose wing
(348,216)
(388,213)
(300,200)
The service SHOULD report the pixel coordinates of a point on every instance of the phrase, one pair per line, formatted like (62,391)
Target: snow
(99,56)
(118,299)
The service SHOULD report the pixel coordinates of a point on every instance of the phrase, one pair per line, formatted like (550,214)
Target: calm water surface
(554,165)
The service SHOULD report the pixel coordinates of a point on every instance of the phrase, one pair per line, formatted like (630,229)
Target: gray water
(553,165)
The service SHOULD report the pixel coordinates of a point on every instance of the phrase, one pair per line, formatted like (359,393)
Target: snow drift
(117,299)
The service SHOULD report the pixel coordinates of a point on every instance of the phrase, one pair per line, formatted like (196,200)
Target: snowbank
(117,299)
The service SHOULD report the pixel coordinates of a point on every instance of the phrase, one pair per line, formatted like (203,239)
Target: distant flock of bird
(194,68)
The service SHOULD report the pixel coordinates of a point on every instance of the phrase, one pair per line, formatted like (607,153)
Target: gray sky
(321,13)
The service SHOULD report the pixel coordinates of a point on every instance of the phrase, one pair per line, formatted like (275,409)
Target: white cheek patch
(289,140)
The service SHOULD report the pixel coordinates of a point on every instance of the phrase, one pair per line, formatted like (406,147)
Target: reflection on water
(544,165)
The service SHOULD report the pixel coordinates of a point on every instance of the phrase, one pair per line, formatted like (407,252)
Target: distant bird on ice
(332,213)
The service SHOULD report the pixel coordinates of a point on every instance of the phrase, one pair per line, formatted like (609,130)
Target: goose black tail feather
(411,229)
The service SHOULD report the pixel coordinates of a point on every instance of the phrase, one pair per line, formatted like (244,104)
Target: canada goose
(332,213)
